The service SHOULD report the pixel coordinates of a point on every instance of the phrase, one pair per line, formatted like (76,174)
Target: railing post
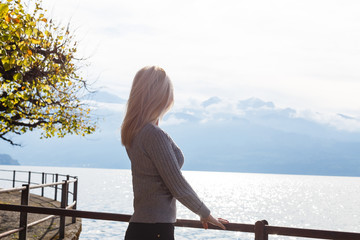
(29,178)
(75,190)
(23,215)
(42,182)
(14,179)
(260,231)
(64,202)
(56,186)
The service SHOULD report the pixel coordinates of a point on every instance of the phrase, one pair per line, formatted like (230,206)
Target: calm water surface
(320,202)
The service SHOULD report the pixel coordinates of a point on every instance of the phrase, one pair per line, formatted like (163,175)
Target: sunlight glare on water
(317,202)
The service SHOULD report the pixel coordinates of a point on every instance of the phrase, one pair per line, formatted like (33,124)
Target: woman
(156,161)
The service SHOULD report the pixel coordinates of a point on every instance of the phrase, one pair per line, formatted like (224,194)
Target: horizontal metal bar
(105,216)
(41,220)
(4,179)
(36,186)
(18,181)
(5,170)
(50,184)
(295,232)
(238,227)
(66,212)
(71,205)
(22,171)
(4,234)
(311,233)
(12,189)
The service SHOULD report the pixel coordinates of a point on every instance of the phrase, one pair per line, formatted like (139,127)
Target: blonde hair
(151,96)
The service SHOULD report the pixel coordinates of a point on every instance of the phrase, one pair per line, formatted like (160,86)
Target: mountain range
(249,135)
(6,159)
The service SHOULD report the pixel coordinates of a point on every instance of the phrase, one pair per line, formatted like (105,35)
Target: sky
(299,54)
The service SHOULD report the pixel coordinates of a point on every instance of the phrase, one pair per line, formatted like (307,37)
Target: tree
(40,87)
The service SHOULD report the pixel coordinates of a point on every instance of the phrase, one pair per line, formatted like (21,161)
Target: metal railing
(54,177)
(261,229)
(25,196)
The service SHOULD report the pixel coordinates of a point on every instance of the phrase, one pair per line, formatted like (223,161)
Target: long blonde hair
(151,96)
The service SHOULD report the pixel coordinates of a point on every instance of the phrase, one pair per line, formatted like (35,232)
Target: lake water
(319,202)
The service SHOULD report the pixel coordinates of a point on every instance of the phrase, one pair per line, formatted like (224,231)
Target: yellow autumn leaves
(39,84)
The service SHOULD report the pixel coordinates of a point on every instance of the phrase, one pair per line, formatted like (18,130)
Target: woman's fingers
(205,224)
(224,221)
(217,222)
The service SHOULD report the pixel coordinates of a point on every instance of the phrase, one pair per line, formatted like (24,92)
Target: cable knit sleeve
(158,147)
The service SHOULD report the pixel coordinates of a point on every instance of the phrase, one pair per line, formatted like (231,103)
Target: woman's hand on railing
(217,222)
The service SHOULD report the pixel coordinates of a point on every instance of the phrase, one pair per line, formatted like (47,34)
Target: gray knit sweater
(157,178)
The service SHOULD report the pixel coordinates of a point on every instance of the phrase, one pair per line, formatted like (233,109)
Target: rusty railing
(261,229)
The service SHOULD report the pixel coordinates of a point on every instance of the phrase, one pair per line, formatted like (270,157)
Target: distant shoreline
(6,159)
(188,170)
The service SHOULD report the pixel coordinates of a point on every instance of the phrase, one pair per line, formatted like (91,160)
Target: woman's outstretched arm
(159,148)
